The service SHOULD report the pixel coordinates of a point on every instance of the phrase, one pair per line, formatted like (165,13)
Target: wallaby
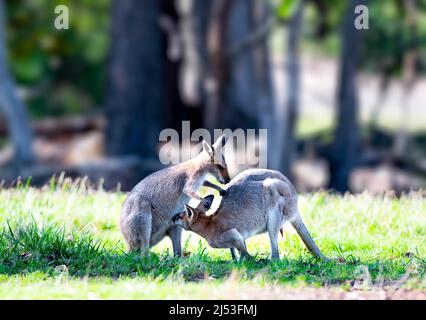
(256,201)
(147,212)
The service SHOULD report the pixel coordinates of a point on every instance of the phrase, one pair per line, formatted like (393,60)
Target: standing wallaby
(147,212)
(256,201)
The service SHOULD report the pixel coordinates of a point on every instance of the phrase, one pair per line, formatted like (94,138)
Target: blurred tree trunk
(266,103)
(346,136)
(136,101)
(191,69)
(409,67)
(173,56)
(323,8)
(238,83)
(291,107)
(201,11)
(384,84)
(241,91)
(13,109)
(198,60)
(217,63)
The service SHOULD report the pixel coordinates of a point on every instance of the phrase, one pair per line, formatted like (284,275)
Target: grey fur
(256,201)
(147,212)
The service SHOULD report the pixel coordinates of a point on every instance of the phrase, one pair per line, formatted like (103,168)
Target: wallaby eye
(221,168)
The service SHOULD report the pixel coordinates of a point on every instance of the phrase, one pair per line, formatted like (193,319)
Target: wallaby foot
(244,255)
(175,234)
(145,252)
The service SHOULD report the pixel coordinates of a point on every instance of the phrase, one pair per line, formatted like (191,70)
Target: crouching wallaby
(147,212)
(256,201)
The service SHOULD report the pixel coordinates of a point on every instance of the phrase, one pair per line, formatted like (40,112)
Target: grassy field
(63,241)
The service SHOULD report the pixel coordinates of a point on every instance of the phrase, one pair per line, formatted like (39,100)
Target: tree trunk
(15,113)
(201,11)
(237,84)
(217,63)
(409,67)
(266,103)
(200,14)
(136,102)
(191,64)
(265,94)
(291,107)
(241,91)
(345,146)
(175,112)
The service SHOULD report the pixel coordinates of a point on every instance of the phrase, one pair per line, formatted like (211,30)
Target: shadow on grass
(51,250)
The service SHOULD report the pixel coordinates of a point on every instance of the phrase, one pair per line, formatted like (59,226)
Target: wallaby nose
(175,218)
(225,176)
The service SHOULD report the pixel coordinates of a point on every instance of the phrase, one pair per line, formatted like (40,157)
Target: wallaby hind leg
(136,229)
(301,230)
(273,237)
(175,234)
(273,226)
(233,239)
(244,254)
(233,254)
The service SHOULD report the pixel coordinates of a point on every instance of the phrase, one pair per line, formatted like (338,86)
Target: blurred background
(345,109)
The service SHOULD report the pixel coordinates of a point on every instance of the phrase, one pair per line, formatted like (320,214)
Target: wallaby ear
(207,201)
(220,142)
(189,210)
(207,148)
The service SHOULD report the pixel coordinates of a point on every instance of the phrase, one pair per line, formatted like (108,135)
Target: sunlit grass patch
(70,234)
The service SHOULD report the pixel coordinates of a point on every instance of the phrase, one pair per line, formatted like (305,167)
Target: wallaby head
(191,215)
(215,163)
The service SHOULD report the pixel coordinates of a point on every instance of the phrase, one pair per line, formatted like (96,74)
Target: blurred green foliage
(384,44)
(285,8)
(391,36)
(62,70)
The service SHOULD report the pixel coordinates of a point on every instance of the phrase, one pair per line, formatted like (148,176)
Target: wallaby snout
(178,216)
(225,175)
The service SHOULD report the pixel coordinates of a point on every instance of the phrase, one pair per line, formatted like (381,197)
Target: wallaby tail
(301,230)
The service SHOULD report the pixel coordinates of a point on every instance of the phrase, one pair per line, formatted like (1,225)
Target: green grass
(63,241)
